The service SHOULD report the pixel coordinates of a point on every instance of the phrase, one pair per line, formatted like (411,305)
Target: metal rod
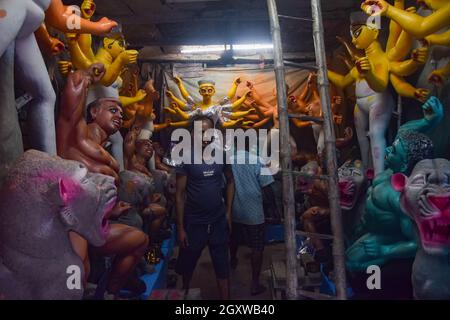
(330,147)
(300,65)
(294,18)
(285,155)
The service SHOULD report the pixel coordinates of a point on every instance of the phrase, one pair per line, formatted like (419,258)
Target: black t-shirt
(204,192)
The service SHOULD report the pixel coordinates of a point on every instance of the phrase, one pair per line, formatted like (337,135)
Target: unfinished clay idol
(42,199)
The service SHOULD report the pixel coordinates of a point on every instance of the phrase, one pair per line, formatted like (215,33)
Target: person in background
(248,212)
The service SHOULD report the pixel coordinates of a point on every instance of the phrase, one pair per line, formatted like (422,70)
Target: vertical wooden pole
(285,155)
(330,148)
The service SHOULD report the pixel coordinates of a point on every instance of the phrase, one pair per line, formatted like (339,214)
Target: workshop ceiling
(172,23)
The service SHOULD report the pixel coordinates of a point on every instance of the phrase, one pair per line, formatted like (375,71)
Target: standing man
(248,212)
(202,216)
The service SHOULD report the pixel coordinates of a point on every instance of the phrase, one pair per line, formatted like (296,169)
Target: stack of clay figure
(90,183)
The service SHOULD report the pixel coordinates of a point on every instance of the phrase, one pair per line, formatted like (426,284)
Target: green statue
(387,233)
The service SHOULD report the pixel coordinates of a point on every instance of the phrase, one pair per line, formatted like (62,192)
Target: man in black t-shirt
(203,218)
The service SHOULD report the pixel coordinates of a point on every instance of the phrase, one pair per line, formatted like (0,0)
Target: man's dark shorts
(253,236)
(215,236)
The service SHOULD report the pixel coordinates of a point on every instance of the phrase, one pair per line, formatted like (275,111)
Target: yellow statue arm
(114,69)
(169,110)
(59,16)
(126,101)
(85,39)
(439,76)
(341,81)
(65,67)
(418,26)
(241,114)
(237,104)
(406,90)
(180,124)
(442,39)
(180,103)
(234,123)
(180,113)
(401,47)
(377,76)
(79,59)
(184,93)
(157,127)
(406,68)
(394,28)
(233,89)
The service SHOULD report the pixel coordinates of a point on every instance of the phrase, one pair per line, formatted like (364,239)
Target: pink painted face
(426,199)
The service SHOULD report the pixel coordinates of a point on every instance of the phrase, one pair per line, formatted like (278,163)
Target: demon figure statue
(425,197)
(42,199)
(388,233)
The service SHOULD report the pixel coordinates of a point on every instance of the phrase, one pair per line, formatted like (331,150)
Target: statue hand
(337,119)
(411,10)
(420,55)
(437,78)
(96,72)
(363,65)
(119,209)
(249,85)
(336,100)
(248,123)
(57,47)
(65,67)
(87,9)
(433,108)
(421,94)
(375,7)
(373,248)
(237,81)
(104,26)
(129,56)
(169,95)
(141,94)
(177,80)
(72,37)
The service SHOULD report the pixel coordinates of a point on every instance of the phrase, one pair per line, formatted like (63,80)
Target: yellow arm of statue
(401,47)
(404,68)
(85,43)
(180,124)
(114,69)
(238,103)
(442,39)
(440,75)
(339,80)
(180,103)
(394,28)
(240,114)
(126,101)
(377,76)
(418,26)
(406,90)
(183,115)
(78,58)
(233,89)
(184,93)
(60,17)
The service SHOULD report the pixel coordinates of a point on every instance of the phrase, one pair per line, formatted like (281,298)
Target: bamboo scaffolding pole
(285,157)
(330,149)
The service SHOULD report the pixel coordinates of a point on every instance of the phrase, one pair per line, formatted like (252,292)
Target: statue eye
(419,180)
